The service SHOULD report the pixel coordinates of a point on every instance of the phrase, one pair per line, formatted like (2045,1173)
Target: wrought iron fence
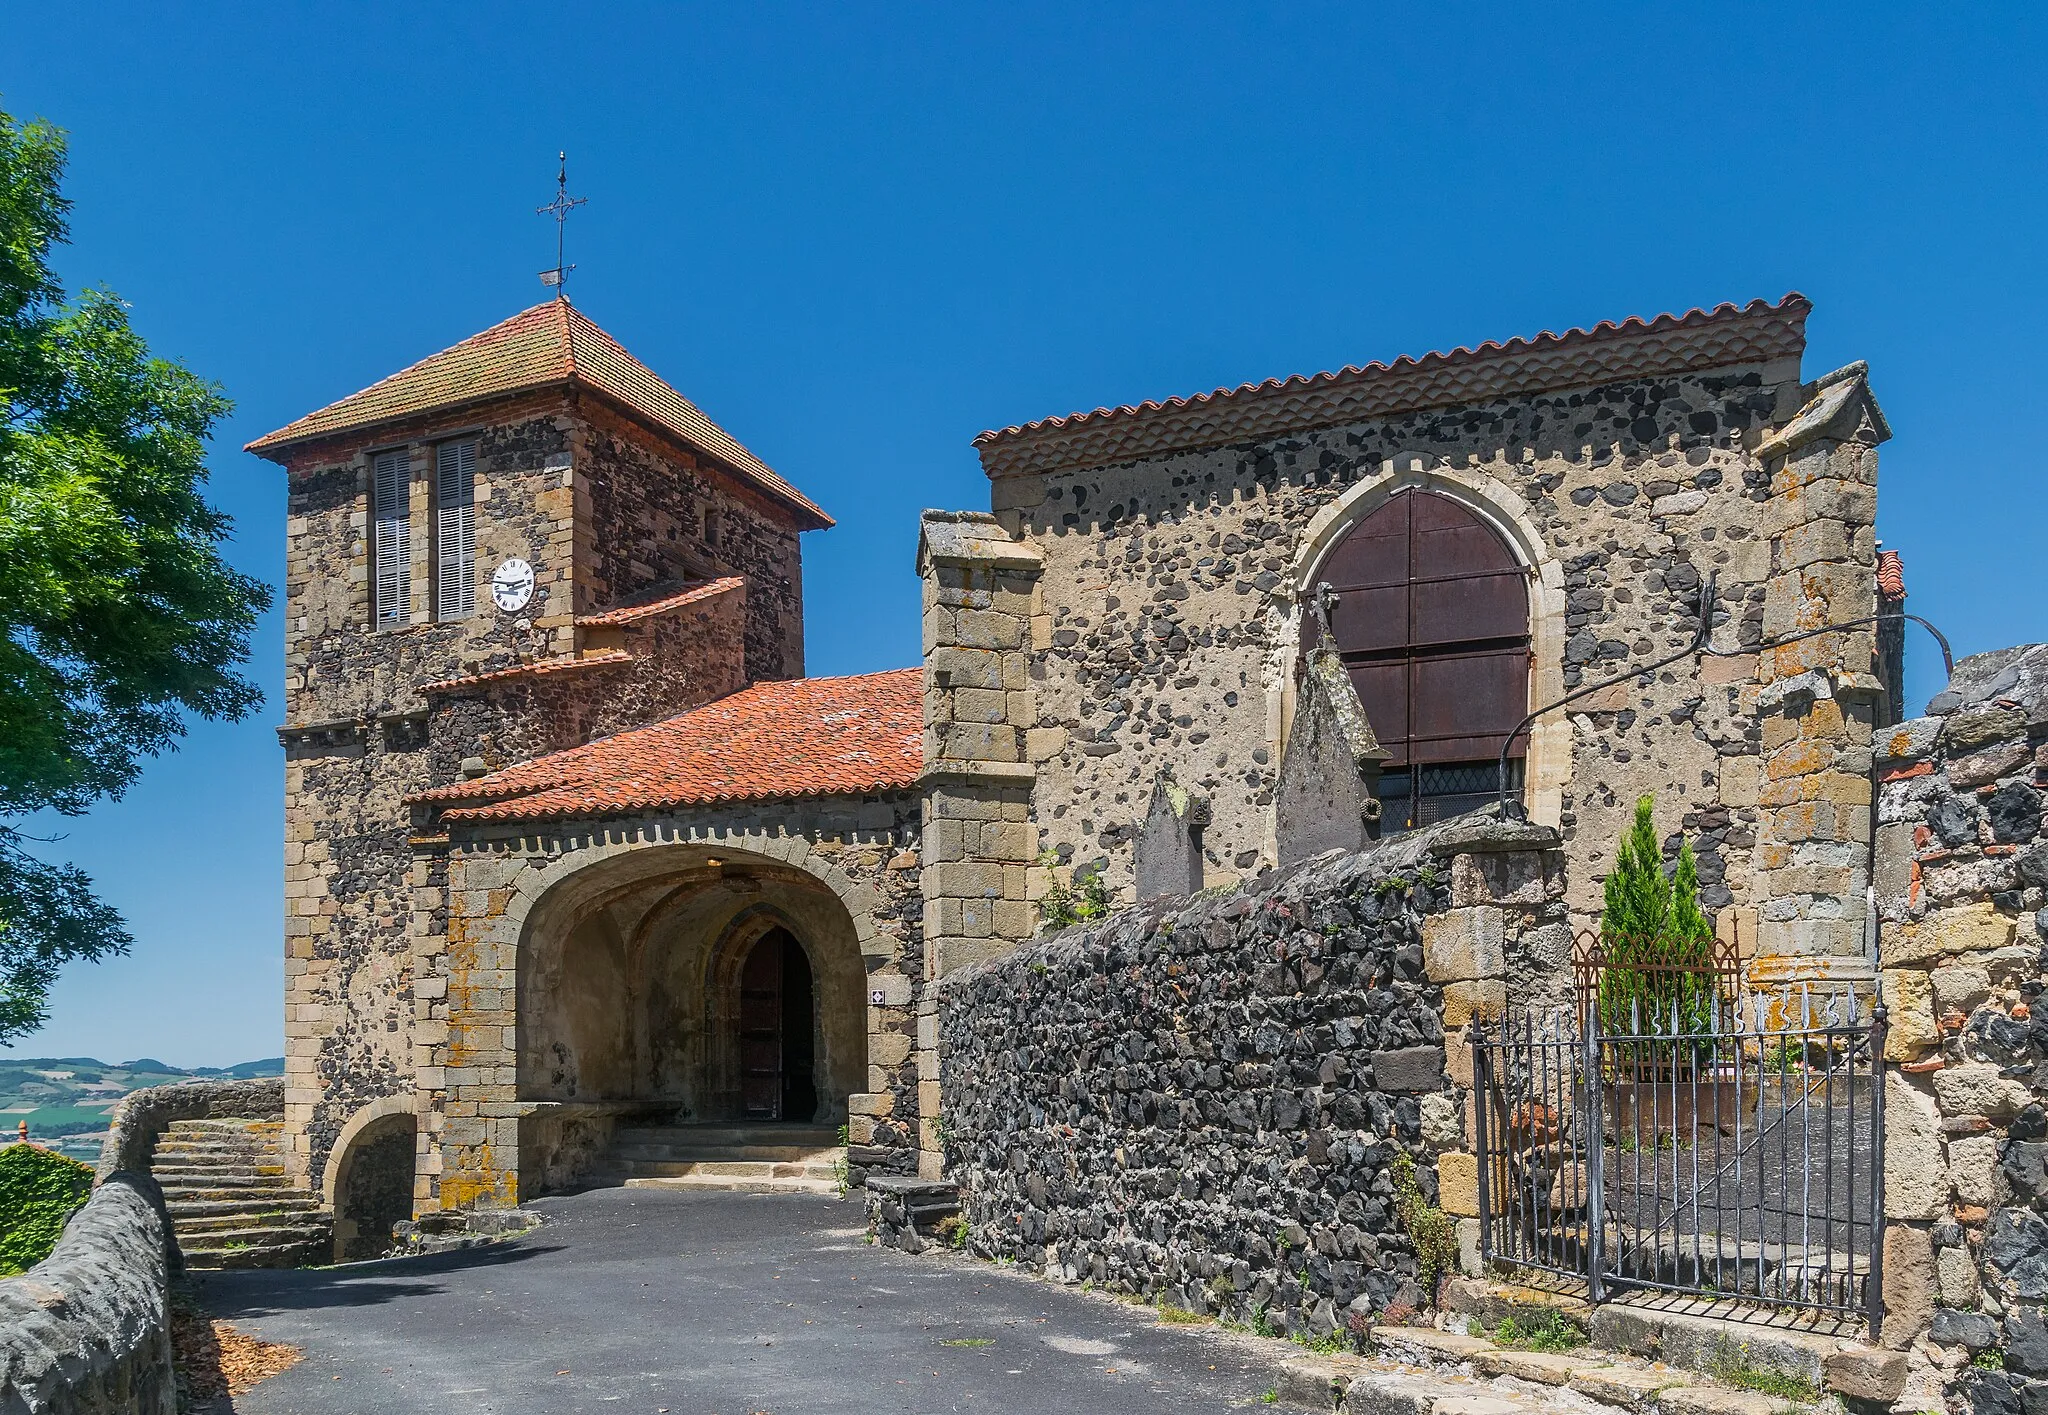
(1684,1133)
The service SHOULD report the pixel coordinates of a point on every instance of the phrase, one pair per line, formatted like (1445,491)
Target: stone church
(587,882)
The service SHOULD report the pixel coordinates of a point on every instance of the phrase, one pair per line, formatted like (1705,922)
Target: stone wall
(1818,700)
(1962,882)
(983,616)
(141,1117)
(1199,1100)
(660,514)
(1175,544)
(679,659)
(355,739)
(86,1331)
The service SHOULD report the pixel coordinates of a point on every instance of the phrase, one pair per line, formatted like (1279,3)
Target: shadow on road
(265,1292)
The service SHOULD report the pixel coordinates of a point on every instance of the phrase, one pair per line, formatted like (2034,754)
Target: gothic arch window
(1431,617)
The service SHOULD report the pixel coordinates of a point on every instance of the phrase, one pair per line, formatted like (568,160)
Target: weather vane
(559,208)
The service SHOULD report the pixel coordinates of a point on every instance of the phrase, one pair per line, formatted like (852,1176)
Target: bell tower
(519,544)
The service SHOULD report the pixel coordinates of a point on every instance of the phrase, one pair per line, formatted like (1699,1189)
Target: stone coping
(86,1331)
(904,1186)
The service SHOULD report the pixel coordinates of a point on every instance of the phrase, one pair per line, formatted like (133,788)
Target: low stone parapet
(86,1331)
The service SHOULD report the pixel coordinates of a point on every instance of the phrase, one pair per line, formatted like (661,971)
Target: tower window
(391,538)
(710,527)
(1432,620)
(455,530)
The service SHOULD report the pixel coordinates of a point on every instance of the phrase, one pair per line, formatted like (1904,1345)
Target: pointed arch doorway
(1431,618)
(777,1022)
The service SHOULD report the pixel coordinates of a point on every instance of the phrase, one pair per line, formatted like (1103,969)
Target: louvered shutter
(455,530)
(391,503)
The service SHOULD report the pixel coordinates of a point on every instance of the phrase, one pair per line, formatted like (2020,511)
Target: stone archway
(629,982)
(369,1180)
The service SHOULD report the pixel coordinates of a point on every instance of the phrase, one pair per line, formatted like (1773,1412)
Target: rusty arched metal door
(1431,618)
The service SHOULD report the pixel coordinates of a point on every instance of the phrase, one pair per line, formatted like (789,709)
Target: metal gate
(1692,1136)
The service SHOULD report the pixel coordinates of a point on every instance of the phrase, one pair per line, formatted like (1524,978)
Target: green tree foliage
(1656,941)
(39,1191)
(117,614)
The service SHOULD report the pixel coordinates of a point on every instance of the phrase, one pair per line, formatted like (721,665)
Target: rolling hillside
(65,1099)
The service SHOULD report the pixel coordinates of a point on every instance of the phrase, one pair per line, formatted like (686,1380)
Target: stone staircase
(760,1158)
(230,1202)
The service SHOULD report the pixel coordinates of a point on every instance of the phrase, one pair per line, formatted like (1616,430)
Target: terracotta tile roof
(770,741)
(675,599)
(552,343)
(537,669)
(1635,348)
(1891,575)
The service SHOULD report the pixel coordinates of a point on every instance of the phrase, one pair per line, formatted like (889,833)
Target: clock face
(512,585)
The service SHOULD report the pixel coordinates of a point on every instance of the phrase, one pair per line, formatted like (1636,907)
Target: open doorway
(777,1020)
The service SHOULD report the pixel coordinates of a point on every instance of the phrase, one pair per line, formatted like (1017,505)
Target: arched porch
(696,985)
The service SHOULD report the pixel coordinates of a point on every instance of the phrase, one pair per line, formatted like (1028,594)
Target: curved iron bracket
(1701,648)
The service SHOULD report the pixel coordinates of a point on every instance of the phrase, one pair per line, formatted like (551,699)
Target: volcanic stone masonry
(1147,569)
(1199,1102)
(1962,881)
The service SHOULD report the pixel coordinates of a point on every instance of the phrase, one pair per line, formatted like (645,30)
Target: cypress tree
(1650,923)
(1637,898)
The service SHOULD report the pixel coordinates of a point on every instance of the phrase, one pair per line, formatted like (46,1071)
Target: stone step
(1395,1382)
(188,1159)
(734,1184)
(773,1154)
(257,1201)
(270,1128)
(189,1223)
(251,1236)
(200,1166)
(813,1137)
(727,1169)
(223,1176)
(262,1255)
(176,1195)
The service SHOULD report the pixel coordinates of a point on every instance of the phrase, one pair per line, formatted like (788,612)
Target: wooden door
(1432,620)
(761,1029)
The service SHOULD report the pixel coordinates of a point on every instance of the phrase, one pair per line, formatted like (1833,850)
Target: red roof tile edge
(689,594)
(1891,575)
(1008,450)
(570,803)
(308,426)
(568,784)
(537,668)
(562,369)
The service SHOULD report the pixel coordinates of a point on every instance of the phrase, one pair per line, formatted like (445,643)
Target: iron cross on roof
(559,208)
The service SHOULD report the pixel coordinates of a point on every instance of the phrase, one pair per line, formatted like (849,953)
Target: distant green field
(58,1120)
(57,1087)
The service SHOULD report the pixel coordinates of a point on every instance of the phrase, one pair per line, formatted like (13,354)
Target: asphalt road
(716,1304)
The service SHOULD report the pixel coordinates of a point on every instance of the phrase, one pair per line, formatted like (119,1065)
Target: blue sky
(859,235)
